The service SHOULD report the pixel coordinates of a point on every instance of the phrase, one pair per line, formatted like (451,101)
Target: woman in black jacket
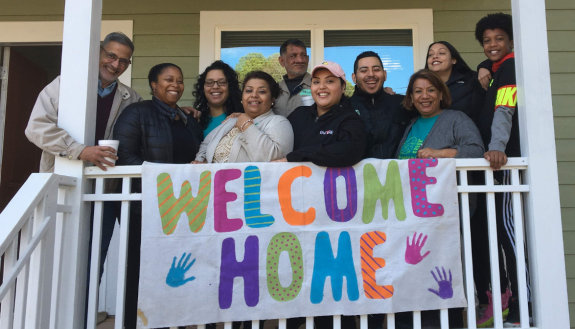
(467,95)
(328,133)
(156,131)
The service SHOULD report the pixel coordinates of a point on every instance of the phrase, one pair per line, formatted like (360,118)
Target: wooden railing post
(77,115)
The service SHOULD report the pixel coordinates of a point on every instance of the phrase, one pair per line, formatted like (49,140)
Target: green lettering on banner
(305,92)
(374,190)
(171,208)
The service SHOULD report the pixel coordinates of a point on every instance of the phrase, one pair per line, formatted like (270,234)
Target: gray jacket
(452,130)
(269,138)
(285,104)
(43,129)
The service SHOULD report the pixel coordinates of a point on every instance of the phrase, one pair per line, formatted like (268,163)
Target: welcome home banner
(249,241)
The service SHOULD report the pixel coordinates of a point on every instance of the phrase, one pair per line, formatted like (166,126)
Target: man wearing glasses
(296,83)
(113,97)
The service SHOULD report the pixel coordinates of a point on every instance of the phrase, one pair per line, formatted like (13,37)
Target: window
(395,47)
(252,39)
(246,51)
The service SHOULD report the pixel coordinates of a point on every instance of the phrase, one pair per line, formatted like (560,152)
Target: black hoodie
(385,121)
(335,139)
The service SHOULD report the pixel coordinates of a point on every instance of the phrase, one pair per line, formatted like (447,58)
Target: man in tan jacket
(113,97)
(296,83)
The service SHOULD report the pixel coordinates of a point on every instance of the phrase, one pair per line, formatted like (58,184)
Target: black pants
(505,240)
(133,265)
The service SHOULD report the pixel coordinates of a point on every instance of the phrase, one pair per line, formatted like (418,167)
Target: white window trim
(213,22)
(42,33)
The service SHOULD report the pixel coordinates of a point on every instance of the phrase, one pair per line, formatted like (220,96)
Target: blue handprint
(445,288)
(176,275)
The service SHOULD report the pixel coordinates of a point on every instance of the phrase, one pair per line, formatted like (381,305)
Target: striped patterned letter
(252,211)
(370,264)
(171,208)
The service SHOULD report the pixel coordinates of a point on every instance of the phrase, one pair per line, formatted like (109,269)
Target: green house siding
(168,31)
(561,34)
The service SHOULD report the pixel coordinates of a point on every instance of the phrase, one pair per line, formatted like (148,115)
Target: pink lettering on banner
(418,182)
(221,197)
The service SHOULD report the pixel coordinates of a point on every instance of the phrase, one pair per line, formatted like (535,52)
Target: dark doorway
(30,69)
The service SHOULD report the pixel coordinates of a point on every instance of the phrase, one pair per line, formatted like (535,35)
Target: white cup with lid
(307,100)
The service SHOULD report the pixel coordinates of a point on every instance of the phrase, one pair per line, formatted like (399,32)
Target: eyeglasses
(111,57)
(220,83)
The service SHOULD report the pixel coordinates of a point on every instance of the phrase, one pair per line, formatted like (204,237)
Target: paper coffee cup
(111,143)
(307,100)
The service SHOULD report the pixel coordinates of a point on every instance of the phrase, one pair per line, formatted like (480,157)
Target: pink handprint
(413,251)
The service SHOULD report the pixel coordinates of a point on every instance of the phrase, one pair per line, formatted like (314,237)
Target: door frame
(4,65)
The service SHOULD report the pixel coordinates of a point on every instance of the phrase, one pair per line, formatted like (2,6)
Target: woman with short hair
(158,131)
(258,135)
(437,132)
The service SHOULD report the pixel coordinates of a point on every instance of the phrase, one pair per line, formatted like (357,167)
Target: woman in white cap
(328,133)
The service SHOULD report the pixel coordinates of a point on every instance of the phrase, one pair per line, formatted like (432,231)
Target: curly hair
(272,84)
(460,65)
(492,22)
(435,81)
(232,103)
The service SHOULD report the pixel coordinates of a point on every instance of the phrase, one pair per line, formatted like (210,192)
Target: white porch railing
(517,189)
(31,228)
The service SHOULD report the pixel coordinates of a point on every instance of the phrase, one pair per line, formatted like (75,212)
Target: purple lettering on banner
(330,193)
(221,197)
(248,269)
(418,183)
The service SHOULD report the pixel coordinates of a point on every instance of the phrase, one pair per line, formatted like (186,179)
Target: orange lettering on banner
(370,264)
(292,216)
(506,96)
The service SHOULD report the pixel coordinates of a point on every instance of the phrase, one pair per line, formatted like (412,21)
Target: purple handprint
(413,251)
(445,288)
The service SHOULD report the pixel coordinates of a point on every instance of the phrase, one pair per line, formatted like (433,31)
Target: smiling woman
(154,131)
(436,132)
(328,133)
(258,135)
(217,95)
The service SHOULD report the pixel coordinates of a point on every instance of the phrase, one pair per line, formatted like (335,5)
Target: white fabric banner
(253,241)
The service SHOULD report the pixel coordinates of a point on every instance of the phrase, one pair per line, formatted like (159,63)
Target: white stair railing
(30,231)
(517,188)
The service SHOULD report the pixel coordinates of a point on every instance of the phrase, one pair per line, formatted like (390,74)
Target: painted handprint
(176,275)
(413,251)
(445,289)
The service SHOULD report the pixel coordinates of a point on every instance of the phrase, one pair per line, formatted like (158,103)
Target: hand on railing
(445,288)
(413,251)
(176,275)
